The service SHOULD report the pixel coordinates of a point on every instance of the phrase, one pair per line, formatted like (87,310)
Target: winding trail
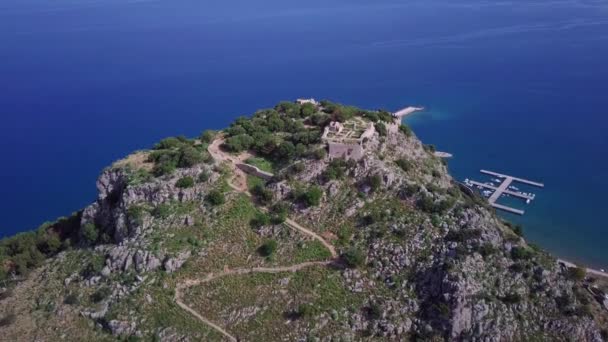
(239,184)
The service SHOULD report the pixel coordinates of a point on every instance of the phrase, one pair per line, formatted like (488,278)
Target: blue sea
(518,87)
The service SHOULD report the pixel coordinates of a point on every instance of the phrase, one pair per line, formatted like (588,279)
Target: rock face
(110,212)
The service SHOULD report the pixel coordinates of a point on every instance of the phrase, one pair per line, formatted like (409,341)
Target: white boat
(528,201)
(514,188)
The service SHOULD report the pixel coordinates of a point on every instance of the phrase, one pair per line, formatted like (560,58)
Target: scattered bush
(162,211)
(312,197)
(207,136)
(262,194)
(215,197)
(320,154)
(521,253)
(381,129)
(71,299)
(185,182)
(375,182)
(90,233)
(260,219)
(279,212)
(577,273)
(353,257)
(101,294)
(203,177)
(268,248)
(406,130)
(405,164)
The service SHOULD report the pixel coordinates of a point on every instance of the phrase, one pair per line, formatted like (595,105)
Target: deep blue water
(514,86)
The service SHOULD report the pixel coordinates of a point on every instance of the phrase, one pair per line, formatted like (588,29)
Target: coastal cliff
(183,245)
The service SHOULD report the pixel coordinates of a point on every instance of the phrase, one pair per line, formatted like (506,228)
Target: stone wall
(254,171)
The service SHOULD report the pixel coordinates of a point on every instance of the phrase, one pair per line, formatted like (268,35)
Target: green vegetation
(263,195)
(101,294)
(521,253)
(375,182)
(337,169)
(353,257)
(313,250)
(311,197)
(406,130)
(176,152)
(381,129)
(405,164)
(260,219)
(268,248)
(207,136)
(261,164)
(215,197)
(185,182)
(577,273)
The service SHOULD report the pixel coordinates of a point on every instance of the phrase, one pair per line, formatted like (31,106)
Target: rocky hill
(183,245)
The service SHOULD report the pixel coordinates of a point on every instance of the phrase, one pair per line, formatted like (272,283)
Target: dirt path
(239,183)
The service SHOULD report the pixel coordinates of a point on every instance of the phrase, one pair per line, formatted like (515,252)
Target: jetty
(444,155)
(503,188)
(406,111)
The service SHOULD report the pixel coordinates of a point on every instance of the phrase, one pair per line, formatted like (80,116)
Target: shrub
(521,253)
(215,197)
(353,257)
(279,213)
(268,248)
(345,233)
(71,299)
(312,197)
(136,213)
(207,136)
(185,182)
(101,294)
(260,219)
(320,154)
(263,195)
(188,157)
(375,182)
(381,128)
(305,310)
(169,143)
(203,177)
(90,233)
(406,130)
(162,211)
(577,273)
(404,164)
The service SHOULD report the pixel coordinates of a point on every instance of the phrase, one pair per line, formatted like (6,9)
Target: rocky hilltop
(261,233)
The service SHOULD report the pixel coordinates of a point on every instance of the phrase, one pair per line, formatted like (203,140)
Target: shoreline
(408,111)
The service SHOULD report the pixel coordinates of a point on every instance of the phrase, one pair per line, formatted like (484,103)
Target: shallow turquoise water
(517,87)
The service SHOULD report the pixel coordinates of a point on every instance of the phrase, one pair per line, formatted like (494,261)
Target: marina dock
(503,188)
